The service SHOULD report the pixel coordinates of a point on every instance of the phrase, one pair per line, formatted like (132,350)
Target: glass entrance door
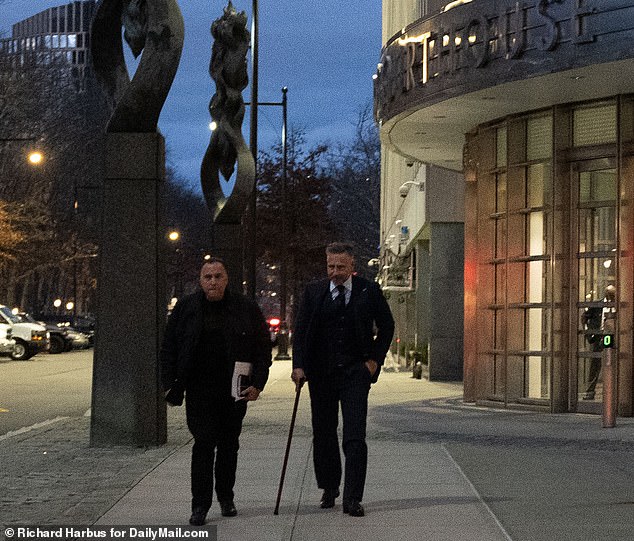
(594,233)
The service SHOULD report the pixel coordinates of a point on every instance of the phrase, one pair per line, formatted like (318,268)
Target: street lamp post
(282,339)
(177,260)
(76,254)
(250,218)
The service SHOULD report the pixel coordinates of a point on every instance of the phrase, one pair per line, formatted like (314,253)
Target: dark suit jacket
(373,323)
(246,331)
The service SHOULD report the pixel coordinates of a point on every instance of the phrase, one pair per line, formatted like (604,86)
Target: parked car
(59,337)
(81,324)
(6,342)
(30,338)
(79,340)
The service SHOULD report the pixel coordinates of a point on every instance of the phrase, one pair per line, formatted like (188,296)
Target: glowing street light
(174,236)
(35,157)
(70,305)
(57,303)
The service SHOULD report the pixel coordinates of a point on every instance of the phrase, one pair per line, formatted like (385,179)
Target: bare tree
(44,109)
(355,170)
(308,224)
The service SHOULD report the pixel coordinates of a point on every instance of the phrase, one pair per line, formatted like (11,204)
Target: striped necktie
(340,299)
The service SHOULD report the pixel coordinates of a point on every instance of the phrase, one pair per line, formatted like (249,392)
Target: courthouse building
(531,105)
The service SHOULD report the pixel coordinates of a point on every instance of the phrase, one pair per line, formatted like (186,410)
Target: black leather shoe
(353,508)
(228,509)
(199,514)
(328,498)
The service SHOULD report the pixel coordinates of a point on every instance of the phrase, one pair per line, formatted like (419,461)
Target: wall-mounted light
(405,187)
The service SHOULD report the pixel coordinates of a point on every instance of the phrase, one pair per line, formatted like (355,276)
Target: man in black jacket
(206,334)
(343,330)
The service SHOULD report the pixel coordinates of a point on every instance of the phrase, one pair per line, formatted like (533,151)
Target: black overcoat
(246,333)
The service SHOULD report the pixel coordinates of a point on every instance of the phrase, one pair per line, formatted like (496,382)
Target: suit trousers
(349,386)
(216,429)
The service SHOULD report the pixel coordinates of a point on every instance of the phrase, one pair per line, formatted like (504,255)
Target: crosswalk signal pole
(610,360)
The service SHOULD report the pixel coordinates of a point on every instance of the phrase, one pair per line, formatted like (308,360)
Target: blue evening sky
(324,51)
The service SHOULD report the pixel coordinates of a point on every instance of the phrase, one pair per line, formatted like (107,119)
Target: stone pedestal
(127,403)
(228,245)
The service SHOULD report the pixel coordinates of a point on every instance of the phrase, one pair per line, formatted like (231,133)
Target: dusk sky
(325,52)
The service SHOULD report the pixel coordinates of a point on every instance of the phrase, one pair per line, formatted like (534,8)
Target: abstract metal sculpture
(152,26)
(227,148)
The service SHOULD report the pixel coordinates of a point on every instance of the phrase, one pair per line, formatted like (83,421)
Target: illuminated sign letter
(410,55)
(477,33)
(518,43)
(548,41)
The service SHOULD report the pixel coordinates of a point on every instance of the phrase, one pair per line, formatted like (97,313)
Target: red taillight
(274,322)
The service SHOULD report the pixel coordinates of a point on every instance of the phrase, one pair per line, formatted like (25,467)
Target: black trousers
(349,387)
(216,427)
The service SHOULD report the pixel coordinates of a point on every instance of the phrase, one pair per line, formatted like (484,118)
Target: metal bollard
(610,360)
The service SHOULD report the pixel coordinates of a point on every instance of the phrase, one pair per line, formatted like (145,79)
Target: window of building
(77,23)
(500,141)
(522,316)
(62,18)
(539,138)
(594,125)
(596,257)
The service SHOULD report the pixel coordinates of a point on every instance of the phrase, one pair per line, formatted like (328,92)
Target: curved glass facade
(548,228)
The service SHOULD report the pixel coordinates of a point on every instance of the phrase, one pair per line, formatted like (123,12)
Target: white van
(28,338)
(6,342)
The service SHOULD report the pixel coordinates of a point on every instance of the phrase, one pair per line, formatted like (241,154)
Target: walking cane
(298,390)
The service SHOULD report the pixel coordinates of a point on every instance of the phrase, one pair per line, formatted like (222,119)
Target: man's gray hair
(340,248)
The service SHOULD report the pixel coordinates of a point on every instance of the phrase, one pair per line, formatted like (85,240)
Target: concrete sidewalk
(438,503)
(543,476)
(404,500)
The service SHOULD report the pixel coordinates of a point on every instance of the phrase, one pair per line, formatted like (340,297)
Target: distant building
(531,106)
(58,34)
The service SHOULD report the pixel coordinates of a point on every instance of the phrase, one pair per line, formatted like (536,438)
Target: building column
(446,301)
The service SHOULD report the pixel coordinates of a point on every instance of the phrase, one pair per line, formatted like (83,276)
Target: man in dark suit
(343,330)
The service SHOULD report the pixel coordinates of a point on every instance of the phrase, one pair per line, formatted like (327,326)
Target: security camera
(404,189)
